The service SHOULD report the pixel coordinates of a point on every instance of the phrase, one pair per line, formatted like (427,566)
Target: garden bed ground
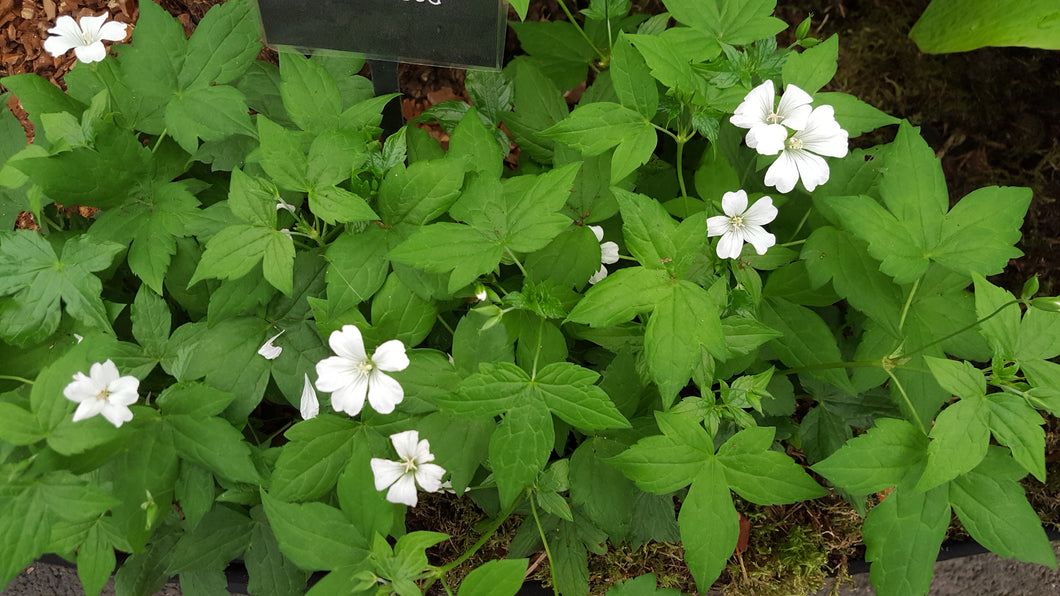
(991,116)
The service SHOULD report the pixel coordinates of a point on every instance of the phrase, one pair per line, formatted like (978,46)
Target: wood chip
(49,9)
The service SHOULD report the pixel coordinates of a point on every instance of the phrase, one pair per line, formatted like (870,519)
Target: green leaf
(686,320)
(993,508)
(19,426)
(1019,426)
(558,49)
(39,97)
(234,251)
(959,378)
(309,92)
(735,23)
(338,205)
(709,524)
(814,67)
(520,447)
(597,127)
(420,193)
(1039,335)
(193,399)
(890,241)
(151,321)
(315,536)
(981,230)
(902,537)
(668,60)
(37,279)
(214,444)
(761,475)
(207,113)
(270,571)
(913,187)
(855,116)
(633,82)
(647,229)
(361,503)
(26,524)
(962,25)
(357,267)
(538,105)
(445,247)
(1003,329)
(96,561)
(621,296)
(194,491)
(222,536)
(570,392)
(806,340)
(665,463)
(959,440)
(310,464)
(223,45)
(501,577)
(473,143)
(876,460)
(603,493)
(645,585)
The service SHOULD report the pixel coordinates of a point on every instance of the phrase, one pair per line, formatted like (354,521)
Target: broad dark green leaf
(315,536)
(310,464)
(902,538)
(520,447)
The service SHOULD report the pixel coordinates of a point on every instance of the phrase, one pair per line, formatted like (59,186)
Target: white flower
(282,204)
(269,351)
(84,38)
(309,407)
(767,132)
(608,254)
(821,136)
(403,476)
(742,224)
(104,392)
(351,374)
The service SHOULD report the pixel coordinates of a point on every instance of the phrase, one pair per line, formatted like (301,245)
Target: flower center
(103,395)
(410,465)
(86,39)
(773,118)
(365,367)
(794,143)
(737,222)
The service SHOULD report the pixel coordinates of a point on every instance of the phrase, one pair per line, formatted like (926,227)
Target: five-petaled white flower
(767,125)
(412,469)
(85,37)
(351,375)
(608,254)
(269,351)
(309,407)
(742,224)
(800,158)
(104,392)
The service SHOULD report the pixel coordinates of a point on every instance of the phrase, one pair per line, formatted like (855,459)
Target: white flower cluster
(815,132)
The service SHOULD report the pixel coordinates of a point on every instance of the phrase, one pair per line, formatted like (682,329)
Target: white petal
(269,351)
(66,26)
(91,53)
(734,203)
(783,174)
(429,477)
(756,107)
(767,139)
(597,277)
(348,343)
(761,213)
(730,245)
(104,373)
(58,45)
(390,356)
(403,491)
(336,372)
(718,225)
(91,25)
(384,393)
(813,170)
(117,415)
(405,443)
(309,406)
(794,107)
(386,472)
(350,399)
(112,31)
(757,237)
(88,409)
(423,452)
(123,391)
(598,232)
(608,253)
(81,388)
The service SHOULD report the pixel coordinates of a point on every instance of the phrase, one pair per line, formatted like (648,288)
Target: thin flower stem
(798,228)
(537,351)
(680,167)
(517,263)
(269,438)
(544,541)
(446,325)
(448,590)
(158,141)
(496,523)
(793,243)
(14,378)
(908,302)
(574,22)
(908,402)
(962,329)
(666,131)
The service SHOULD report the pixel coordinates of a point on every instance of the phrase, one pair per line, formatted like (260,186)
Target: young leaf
(959,440)
(761,475)
(520,447)
(309,93)
(814,67)
(1019,426)
(876,460)
(502,577)
(633,82)
(709,525)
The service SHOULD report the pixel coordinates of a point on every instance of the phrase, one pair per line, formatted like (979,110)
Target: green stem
(908,402)
(537,351)
(517,263)
(793,243)
(962,329)
(496,523)
(158,141)
(544,541)
(680,166)
(798,228)
(14,378)
(446,325)
(574,22)
(908,302)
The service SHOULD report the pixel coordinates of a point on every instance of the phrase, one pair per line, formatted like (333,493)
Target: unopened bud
(1051,304)
(803,29)
(1030,288)
(809,42)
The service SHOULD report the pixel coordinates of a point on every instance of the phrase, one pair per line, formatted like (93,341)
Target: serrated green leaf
(558,49)
(282,156)
(357,267)
(19,426)
(207,113)
(1019,426)
(234,251)
(761,475)
(270,571)
(621,296)
(959,441)
(472,142)
(315,536)
(633,82)
(26,522)
(222,536)
(647,229)
(601,490)
(193,399)
(913,187)
(814,67)
(194,491)
(597,127)
(309,92)
(224,44)
(397,312)
(890,241)
(736,23)
(520,447)
(959,378)
(876,460)
(214,444)
(981,230)
(570,392)
(685,321)
(709,524)
(445,247)
(501,577)
(96,561)
(855,116)
(420,193)
(310,464)
(902,537)
(338,205)
(806,340)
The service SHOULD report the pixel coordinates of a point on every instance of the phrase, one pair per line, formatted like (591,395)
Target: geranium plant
(608,339)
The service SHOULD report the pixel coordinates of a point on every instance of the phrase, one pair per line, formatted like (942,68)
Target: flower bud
(1051,303)
(1030,288)
(809,42)
(803,29)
